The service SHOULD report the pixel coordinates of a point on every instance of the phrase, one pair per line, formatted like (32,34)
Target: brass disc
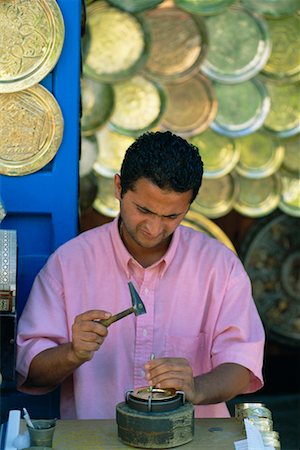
(31,40)
(31,130)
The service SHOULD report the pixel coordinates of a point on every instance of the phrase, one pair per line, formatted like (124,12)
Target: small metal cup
(42,433)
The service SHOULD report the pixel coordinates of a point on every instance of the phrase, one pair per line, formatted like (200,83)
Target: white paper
(12,429)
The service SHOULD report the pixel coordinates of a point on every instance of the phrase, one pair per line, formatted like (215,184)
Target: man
(201,321)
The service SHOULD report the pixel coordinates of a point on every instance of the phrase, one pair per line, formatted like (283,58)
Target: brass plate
(271,255)
(201,223)
(31,130)
(261,155)
(112,147)
(257,197)
(290,193)
(204,7)
(31,40)
(242,107)
(105,202)
(97,105)
(291,161)
(117,44)
(239,46)
(272,8)
(139,106)
(284,61)
(283,119)
(216,197)
(219,154)
(88,155)
(135,6)
(178,43)
(191,106)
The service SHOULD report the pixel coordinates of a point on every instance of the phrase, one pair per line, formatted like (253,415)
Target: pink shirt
(198,302)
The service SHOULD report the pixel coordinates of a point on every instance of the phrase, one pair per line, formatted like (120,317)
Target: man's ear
(118,188)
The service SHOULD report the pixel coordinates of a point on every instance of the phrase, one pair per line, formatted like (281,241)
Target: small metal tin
(291,161)
(197,221)
(112,148)
(219,154)
(88,155)
(242,107)
(204,7)
(139,106)
(31,130)
(134,6)
(32,36)
(255,412)
(239,408)
(272,8)
(105,202)
(261,155)
(257,197)
(178,44)
(117,43)
(261,423)
(290,193)
(216,197)
(97,105)
(191,106)
(283,119)
(239,46)
(284,61)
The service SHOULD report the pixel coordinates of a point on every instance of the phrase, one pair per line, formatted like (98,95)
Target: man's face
(150,214)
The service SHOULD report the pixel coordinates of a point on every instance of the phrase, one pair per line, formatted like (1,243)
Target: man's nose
(154,225)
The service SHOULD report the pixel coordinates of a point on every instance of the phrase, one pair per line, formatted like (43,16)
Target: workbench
(210,434)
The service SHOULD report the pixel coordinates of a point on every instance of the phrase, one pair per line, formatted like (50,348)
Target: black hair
(167,160)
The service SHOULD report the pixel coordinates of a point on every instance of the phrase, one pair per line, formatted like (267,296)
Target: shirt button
(146,290)
(142,373)
(145,332)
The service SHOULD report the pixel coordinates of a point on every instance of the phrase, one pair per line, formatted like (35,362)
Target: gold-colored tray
(31,40)
(31,130)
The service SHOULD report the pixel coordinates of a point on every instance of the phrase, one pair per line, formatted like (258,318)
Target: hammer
(137,308)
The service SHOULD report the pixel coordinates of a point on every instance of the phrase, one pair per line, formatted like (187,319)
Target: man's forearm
(221,384)
(52,366)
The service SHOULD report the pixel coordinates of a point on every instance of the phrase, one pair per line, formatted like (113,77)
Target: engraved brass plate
(178,43)
(272,8)
(88,155)
(31,40)
(257,197)
(290,193)
(219,154)
(291,161)
(105,202)
(117,44)
(239,46)
(242,107)
(204,7)
(191,106)
(261,155)
(134,6)
(31,130)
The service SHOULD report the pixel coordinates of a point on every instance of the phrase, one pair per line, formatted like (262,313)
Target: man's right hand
(88,334)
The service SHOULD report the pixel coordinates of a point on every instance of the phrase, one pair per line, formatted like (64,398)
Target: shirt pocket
(192,348)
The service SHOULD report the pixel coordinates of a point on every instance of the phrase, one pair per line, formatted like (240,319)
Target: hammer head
(137,304)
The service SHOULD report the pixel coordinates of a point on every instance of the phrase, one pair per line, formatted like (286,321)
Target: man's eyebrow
(152,212)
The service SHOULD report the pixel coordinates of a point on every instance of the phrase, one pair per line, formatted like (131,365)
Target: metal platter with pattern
(271,255)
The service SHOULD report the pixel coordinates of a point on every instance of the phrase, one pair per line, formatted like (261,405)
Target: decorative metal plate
(257,197)
(261,155)
(284,61)
(290,193)
(205,7)
(88,155)
(272,8)
(283,119)
(242,107)
(191,106)
(97,105)
(239,46)
(271,255)
(198,222)
(31,40)
(135,6)
(31,130)
(291,161)
(216,197)
(139,106)
(220,154)
(178,43)
(117,43)
(105,202)
(112,147)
